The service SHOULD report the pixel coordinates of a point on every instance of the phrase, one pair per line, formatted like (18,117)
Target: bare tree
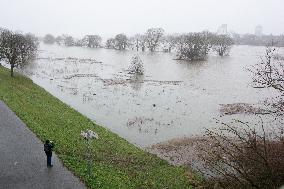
(137,42)
(240,155)
(67,40)
(121,41)
(143,42)
(32,37)
(110,43)
(192,46)
(79,42)
(16,49)
(169,42)
(153,36)
(49,39)
(59,40)
(222,44)
(92,41)
(269,73)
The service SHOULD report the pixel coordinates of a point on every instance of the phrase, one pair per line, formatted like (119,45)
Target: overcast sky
(109,17)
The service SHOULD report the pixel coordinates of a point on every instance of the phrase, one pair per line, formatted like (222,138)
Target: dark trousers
(48,160)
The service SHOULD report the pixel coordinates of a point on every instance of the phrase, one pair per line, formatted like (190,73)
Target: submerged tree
(142,41)
(192,46)
(32,37)
(49,39)
(222,44)
(110,43)
(169,42)
(137,42)
(59,40)
(67,40)
(153,37)
(16,49)
(92,41)
(121,41)
(136,66)
(79,42)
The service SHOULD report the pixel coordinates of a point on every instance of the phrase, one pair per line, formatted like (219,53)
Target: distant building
(222,30)
(258,30)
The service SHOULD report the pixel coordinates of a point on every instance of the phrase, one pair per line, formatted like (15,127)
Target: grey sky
(109,17)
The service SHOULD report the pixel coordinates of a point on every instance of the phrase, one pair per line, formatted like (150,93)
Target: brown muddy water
(174,99)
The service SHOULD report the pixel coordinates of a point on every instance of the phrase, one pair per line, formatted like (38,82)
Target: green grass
(116,162)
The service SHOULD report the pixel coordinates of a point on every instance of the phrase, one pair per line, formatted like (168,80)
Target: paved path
(23,161)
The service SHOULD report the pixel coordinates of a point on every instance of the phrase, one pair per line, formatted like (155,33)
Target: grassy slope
(116,163)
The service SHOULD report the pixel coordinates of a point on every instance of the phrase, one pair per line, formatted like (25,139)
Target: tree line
(17,48)
(254,40)
(189,46)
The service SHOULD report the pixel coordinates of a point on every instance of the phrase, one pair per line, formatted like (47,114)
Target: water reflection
(136,81)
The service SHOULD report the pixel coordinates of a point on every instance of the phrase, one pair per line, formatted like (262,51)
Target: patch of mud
(242,108)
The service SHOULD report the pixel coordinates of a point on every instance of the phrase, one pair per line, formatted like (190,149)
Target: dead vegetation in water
(138,121)
(119,81)
(143,124)
(147,124)
(115,81)
(72,60)
(82,60)
(80,75)
(242,108)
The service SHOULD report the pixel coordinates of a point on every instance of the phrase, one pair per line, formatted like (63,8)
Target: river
(173,99)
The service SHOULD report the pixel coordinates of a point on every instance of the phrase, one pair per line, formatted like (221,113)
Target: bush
(238,155)
(49,39)
(136,66)
(193,46)
(222,44)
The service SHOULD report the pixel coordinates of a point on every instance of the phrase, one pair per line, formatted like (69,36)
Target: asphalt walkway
(23,161)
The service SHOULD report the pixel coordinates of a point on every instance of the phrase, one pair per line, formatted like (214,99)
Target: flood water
(173,99)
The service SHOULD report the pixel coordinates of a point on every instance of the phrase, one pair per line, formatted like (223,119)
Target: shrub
(193,46)
(222,44)
(237,155)
(136,66)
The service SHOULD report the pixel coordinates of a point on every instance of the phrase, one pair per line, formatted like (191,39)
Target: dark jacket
(48,149)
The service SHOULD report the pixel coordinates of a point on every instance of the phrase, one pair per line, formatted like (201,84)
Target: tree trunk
(12,70)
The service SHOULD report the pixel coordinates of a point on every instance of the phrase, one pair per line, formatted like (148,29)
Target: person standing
(48,147)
